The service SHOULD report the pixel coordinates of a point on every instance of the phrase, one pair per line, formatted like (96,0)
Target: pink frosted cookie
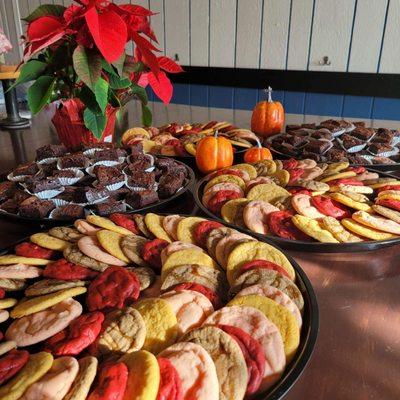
(35,328)
(177,246)
(90,246)
(86,228)
(191,308)
(196,369)
(276,295)
(257,325)
(55,384)
(19,271)
(170,225)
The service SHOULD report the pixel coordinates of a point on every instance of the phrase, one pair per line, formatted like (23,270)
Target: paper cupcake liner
(59,202)
(392,153)
(111,186)
(18,178)
(108,163)
(350,128)
(59,166)
(90,152)
(46,194)
(338,133)
(395,140)
(70,181)
(54,213)
(354,149)
(47,160)
(140,188)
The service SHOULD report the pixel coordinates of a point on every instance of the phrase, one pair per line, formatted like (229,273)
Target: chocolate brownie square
(9,206)
(139,162)
(68,194)
(297,141)
(382,160)
(359,124)
(64,173)
(142,179)
(48,169)
(312,156)
(357,159)
(102,146)
(292,127)
(19,196)
(69,212)
(109,207)
(309,126)
(335,155)
(37,186)
(322,134)
(36,209)
(88,194)
(106,155)
(286,148)
(75,160)
(383,136)
(170,183)
(120,193)
(108,175)
(26,169)
(136,148)
(349,141)
(379,148)
(142,198)
(7,189)
(49,151)
(363,133)
(317,146)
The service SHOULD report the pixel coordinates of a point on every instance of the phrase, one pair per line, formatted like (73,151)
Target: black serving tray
(297,245)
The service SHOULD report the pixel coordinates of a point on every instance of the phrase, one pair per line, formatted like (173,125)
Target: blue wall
(294,102)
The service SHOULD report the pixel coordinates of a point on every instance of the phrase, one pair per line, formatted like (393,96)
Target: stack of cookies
(146,306)
(305,201)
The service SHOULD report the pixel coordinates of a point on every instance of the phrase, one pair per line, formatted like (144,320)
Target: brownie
(317,146)
(103,145)
(76,160)
(292,127)
(64,173)
(349,141)
(139,162)
(69,212)
(120,193)
(297,141)
(170,183)
(19,196)
(36,209)
(68,194)
(122,152)
(142,198)
(108,175)
(136,148)
(359,124)
(336,155)
(379,148)
(110,207)
(7,189)
(26,169)
(383,136)
(87,194)
(332,128)
(142,179)
(363,133)
(312,156)
(48,169)
(106,155)
(382,160)
(322,134)
(170,165)
(286,148)
(9,206)
(357,159)
(309,126)
(37,186)
(49,151)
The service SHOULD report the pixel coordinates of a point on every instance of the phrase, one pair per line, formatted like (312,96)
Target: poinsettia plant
(78,52)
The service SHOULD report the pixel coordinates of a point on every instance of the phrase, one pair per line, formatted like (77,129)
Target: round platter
(151,207)
(296,245)
(308,334)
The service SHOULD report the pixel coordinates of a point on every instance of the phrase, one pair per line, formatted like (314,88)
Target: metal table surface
(357,355)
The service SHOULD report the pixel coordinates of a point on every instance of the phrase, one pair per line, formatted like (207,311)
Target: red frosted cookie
(28,249)
(126,221)
(64,270)
(202,230)
(390,203)
(290,164)
(263,264)
(220,198)
(295,173)
(345,181)
(388,187)
(280,223)
(12,363)
(151,252)
(330,207)
(212,296)
(170,383)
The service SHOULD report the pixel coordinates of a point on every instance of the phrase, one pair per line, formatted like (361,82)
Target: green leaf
(40,93)
(101,93)
(87,65)
(45,9)
(119,83)
(147,117)
(119,64)
(89,99)
(96,123)
(140,92)
(30,71)
(108,67)
(131,67)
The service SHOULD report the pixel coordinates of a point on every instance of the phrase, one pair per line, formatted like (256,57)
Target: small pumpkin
(257,153)
(268,116)
(213,153)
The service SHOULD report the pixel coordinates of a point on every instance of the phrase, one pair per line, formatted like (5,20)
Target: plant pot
(71,130)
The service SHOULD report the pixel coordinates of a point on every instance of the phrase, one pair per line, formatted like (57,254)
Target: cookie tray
(151,207)
(308,335)
(297,245)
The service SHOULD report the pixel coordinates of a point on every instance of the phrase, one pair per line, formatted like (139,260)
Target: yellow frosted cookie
(107,224)
(232,210)
(338,231)
(340,175)
(312,228)
(253,250)
(154,224)
(388,181)
(184,257)
(377,222)
(349,202)
(40,303)
(334,168)
(161,324)
(111,242)
(37,365)
(225,178)
(186,227)
(365,231)
(7,303)
(49,242)
(248,168)
(391,196)
(269,192)
(10,259)
(143,376)
(279,315)
(281,176)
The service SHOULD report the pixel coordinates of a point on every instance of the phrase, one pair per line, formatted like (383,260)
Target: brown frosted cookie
(66,233)
(75,256)
(228,359)
(46,286)
(145,275)
(132,247)
(215,236)
(11,285)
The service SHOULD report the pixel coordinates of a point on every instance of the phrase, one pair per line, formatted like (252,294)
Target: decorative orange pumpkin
(268,117)
(257,153)
(213,152)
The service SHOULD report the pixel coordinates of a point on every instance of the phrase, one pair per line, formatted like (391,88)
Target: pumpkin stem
(258,143)
(216,133)
(269,93)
